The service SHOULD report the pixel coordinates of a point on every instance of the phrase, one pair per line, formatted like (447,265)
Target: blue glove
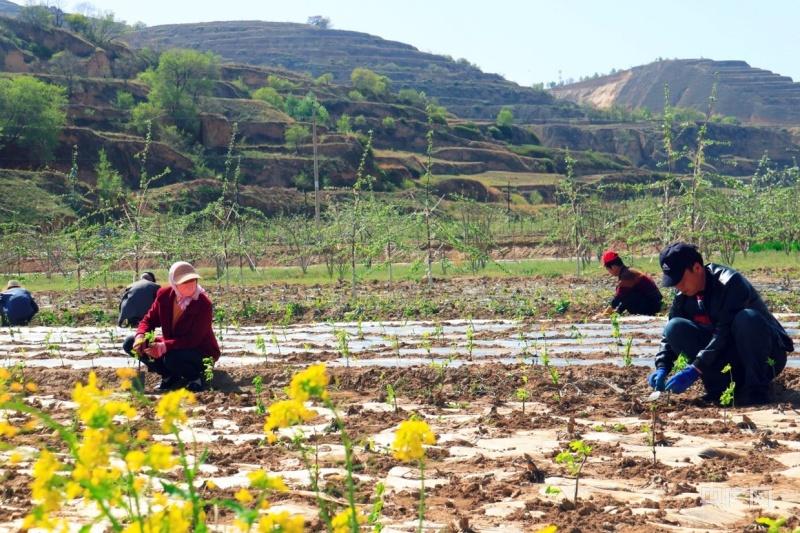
(683,380)
(657,378)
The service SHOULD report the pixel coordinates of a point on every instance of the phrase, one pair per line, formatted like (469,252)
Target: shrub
(388,123)
(270,96)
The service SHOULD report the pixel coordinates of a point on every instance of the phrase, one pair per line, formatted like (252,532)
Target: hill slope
(750,94)
(8,9)
(461,87)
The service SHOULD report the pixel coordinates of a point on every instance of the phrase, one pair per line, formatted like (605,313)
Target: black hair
(614,262)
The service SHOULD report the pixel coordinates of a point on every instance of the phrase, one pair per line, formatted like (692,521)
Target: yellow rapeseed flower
(243,495)
(284,414)
(283,522)
(310,383)
(31,387)
(135,460)
(261,480)
(126,373)
(15,458)
(5,375)
(142,435)
(210,485)
(341,522)
(44,474)
(16,387)
(7,430)
(170,409)
(410,437)
(160,456)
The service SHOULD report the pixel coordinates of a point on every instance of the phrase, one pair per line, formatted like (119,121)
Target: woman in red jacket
(183,311)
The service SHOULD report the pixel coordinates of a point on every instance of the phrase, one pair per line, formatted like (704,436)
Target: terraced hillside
(750,94)
(461,87)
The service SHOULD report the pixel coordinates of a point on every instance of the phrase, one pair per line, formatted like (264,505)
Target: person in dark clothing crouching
(17,306)
(636,292)
(717,319)
(137,299)
(183,311)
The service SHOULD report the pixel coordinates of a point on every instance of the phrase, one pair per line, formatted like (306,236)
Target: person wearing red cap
(636,292)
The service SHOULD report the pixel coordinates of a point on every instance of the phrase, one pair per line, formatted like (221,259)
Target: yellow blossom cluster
(170,408)
(175,519)
(282,521)
(284,414)
(341,522)
(311,383)
(410,437)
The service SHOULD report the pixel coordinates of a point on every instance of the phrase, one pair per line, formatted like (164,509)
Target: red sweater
(191,331)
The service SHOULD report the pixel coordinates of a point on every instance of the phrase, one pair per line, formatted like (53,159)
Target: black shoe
(169,383)
(195,385)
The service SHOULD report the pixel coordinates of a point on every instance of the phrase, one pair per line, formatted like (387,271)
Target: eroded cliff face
(750,94)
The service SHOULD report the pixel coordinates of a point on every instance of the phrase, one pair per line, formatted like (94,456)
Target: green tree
(343,125)
(32,115)
(324,79)
(109,182)
(37,14)
(505,117)
(270,96)
(367,81)
(296,134)
(180,80)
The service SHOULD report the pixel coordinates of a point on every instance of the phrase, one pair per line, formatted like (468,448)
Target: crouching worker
(137,299)
(717,319)
(183,311)
(636,292)
(17,305)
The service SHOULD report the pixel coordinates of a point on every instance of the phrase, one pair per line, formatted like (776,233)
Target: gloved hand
(156,350)
(683,380)
(657,378)
(138,344)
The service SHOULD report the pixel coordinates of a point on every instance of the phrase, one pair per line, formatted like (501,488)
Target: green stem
(348,461)
(421,493)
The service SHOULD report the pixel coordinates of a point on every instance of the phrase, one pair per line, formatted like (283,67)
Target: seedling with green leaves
(208,370)
(573,458)
(726,398)
(680,363)
(615,331)
(775,525)
(258,387)
(522,393)
(552,372)
(344,345)
(261,346)
(427,343)
(627,359)
(470,340)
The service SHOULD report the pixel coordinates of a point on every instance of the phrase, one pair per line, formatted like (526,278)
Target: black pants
(186,364)
(753,343)
(640,304)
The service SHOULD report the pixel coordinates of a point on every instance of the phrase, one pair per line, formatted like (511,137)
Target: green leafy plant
(522,393)
(573,459)
(258,388)
(342,338)
(261,345)
(726,399)
(552,372)
(208,370)
(774,525)
(470,340)
(680,363)
(627,359)
(391,396)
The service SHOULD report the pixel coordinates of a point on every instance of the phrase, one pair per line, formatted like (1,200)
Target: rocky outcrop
(122,152)
(750,94)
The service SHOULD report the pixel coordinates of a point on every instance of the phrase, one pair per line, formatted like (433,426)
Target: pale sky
(530,41)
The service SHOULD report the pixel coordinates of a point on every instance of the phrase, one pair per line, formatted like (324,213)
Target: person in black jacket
(717,319)
(137,299)
(17,305)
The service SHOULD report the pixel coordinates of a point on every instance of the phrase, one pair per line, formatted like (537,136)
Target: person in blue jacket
(17,305)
